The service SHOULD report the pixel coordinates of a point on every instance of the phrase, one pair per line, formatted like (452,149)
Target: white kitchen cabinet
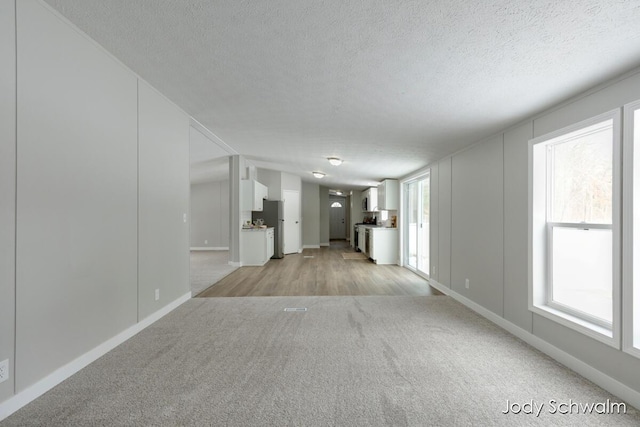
(388,195)
(270,242)
(257,246)
(371,195)
(383,245)
(361,242)
(253,193)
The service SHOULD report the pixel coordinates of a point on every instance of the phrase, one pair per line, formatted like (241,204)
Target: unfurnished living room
(319,213)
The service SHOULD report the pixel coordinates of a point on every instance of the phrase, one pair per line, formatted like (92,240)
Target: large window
(631,235)
(574,226)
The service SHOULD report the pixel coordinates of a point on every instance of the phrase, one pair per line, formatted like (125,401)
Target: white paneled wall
(7,189)
(163,201)
(476,224)
(482,225)
(444,223)
(102,192)
(77,195)
(515,226)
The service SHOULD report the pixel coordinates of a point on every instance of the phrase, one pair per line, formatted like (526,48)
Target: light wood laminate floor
(320,272)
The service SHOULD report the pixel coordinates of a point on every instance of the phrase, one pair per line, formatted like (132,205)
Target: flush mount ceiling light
(338,193)
(334,161)
(318,174)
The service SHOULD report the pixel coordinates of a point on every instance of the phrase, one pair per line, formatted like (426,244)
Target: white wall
(355,206)
(476,224)
(324,217)
(7,189)
(163,255)
(291,182)
(273,180)
(443,224)
(310,215)
(482,228)
(77,195)
(97,191)
(210,215)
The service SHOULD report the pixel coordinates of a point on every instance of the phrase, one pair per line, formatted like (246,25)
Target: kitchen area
(376,236)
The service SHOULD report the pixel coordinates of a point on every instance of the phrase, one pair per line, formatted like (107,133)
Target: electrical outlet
(4,370)
(466,283)
(157,294)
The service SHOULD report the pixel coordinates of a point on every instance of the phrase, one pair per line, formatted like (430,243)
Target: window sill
(592,330)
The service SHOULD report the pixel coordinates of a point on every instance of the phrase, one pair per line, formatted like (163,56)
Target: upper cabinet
(253,193)
(370,200)
(388,199)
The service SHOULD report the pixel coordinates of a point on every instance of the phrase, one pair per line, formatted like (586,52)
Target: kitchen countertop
(377,227)
(257,229)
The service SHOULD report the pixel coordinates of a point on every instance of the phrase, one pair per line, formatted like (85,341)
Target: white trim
(311,247)
(36,390)
(207,133)
(592,330)
(598,377)
(209,248)
(235,264)
(325,244)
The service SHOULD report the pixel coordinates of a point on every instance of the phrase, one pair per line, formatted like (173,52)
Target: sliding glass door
(417,196)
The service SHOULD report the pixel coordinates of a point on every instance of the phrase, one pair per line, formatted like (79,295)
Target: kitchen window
(574,227)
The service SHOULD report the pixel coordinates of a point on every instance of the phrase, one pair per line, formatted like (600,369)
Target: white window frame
(628,227)
(539,238)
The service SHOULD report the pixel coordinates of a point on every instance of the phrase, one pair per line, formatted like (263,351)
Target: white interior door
(337,211)
(291,228)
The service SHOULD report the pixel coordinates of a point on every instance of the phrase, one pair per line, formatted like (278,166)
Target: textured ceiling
(388,86)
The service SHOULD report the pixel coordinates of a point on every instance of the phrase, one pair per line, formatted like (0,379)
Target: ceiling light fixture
(334,161)
(338,193)
(318,174)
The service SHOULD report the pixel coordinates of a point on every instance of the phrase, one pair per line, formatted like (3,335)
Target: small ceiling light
(338,193)
(318,174)
(334,161)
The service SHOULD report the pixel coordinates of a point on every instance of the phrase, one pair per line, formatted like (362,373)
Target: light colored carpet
(208,268)
(347,361)
(353,255)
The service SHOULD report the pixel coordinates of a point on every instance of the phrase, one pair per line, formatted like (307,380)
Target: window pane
(582,176)
(636,229)
(582,270)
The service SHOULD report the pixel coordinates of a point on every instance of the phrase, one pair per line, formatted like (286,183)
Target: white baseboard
(311,247)
(36,390)
(325,244)
(209,248)
(608,383)
(235,264)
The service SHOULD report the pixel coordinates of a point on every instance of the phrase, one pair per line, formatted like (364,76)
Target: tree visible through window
(580,175)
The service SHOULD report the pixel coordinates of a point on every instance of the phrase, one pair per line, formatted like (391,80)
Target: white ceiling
(388,86)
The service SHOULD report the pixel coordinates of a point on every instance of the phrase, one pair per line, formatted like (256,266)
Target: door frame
(404,223)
